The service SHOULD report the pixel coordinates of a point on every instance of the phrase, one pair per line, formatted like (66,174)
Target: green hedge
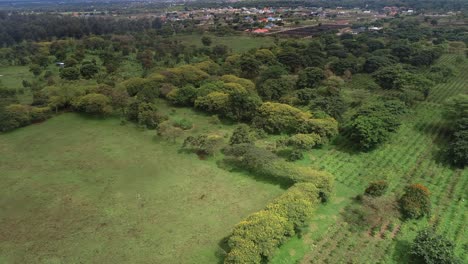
(256,239)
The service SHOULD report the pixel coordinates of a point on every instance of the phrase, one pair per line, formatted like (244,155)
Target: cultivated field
(79,190)
(409,157)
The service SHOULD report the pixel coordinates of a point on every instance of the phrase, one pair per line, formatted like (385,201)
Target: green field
(79,190)
(409,157)
(238,43)
(13,76)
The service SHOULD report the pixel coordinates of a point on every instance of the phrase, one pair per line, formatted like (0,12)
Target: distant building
(260,31)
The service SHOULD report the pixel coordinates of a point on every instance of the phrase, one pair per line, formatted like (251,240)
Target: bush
(431,248)
(241,135)
(93,103)
(278,118)
(39,114)
(184,96)
(376,188)
(14,116)
(265,229)
(301,141)
(415,202)
(295,155)
(183,123)
(70,73)
(296,205)
(203,144)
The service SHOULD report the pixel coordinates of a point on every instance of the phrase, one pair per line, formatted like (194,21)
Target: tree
(206,41)
(373,123)
(70,73)
(146,59)
(88,70)
(415,202)
(183,96)
(310,77)
(430,248)
(249,67)
(376,188)
(241,135)
(374,63)
(35,69)
(275,88)
(341,66)
(456,113)
(291,59)
(97,104)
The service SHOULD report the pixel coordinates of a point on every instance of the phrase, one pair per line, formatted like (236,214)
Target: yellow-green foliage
(266,229)
(264,55)
(297,204)
(40,114)
(186,74)
(215,102)
(302,141)
(280,118)
(326,128)
(254,239)
(247,84)
(93,104)
(245,251)
(209,67)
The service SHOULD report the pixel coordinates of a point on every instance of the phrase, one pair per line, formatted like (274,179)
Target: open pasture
(80,190)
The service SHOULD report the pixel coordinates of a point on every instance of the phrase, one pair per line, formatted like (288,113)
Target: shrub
(39,114)
(241,135)
(14,116)
(70,73)
(278,118)
(415,202)
(184,96)
(431,248)
(295,155)
(149,118)
(203,144)
(301,141)
(169,132)
(244,251)
(376,188)
(183,123)
(266,229)
(297,204)
(93,103)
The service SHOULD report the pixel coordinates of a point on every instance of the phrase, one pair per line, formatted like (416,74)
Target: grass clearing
(13,76)
(238,43)
(79,190)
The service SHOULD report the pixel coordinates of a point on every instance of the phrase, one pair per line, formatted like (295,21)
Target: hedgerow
(257,238)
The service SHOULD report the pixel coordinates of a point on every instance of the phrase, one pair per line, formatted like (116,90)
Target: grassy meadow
(411,156)
(80,190)
(237,43)
(13,76)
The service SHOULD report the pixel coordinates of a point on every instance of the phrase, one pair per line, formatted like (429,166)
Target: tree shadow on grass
(231,166)
(222,250)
